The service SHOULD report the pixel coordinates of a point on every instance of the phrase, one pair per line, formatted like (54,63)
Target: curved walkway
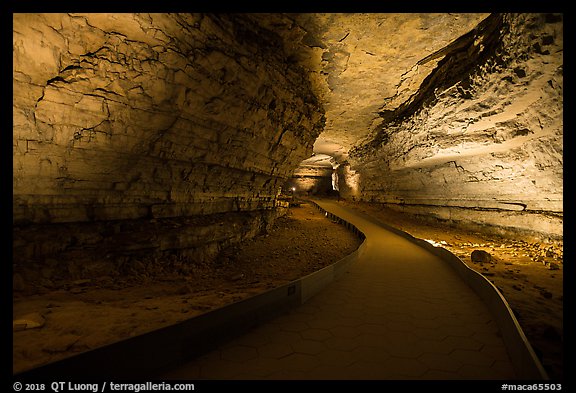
(399,312)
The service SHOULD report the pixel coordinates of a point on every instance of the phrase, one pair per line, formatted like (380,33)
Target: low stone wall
(530,225)
(142,356)
(51,255)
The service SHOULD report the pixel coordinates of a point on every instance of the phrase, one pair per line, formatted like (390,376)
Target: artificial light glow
(335,180)
(293,188)
(351,180)
(436,244)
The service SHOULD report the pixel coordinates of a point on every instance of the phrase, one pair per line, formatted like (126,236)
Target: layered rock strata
(481,141)
(51,256)
(153,116)
(124,116)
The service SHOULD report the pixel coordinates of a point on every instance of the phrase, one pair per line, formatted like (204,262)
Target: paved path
(398,313)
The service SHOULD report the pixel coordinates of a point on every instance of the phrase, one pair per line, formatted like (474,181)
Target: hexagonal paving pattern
(399,313)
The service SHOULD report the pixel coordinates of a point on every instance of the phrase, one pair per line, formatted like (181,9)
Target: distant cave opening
(316,175)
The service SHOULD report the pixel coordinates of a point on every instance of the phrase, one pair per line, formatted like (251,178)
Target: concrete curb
(522,355)
(143,356)
(315,282)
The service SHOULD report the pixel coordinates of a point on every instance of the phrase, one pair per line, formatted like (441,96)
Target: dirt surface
(89,314)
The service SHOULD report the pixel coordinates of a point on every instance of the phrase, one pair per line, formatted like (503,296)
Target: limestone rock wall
(124,116)
(52,256)
(482,140)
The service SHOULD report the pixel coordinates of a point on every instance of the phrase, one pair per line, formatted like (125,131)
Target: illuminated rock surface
(463,124)
(122,116)
(170,135)
(127,116)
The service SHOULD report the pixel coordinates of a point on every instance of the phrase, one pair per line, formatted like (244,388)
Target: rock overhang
(364,64)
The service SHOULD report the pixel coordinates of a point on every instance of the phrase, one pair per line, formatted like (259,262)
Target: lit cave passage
(151,151)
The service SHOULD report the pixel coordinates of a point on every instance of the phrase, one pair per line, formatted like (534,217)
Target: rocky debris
(480,256)
(182,289)
(546,294)
(137,249)
(61,343)
(18,283)
(551,333)
(82,282)
(28,321)
(236,277)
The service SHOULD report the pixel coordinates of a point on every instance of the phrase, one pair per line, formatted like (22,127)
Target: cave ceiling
(362,64)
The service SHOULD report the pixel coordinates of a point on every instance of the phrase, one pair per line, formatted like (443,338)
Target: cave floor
(87,314)
(90,314)
(397,313)
(528,273)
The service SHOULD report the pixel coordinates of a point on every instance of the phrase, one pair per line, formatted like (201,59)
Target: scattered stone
(18,283)
(51,262)
(47,283)
(47,272)
(237,277)
(553,266)
(81,282)
(28,321)
(551,333)
(546,294)
(183,289)
(517,287)
(201,307)
(60,343)
(480,256)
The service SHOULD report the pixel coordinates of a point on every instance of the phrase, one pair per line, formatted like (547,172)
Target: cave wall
(481,142)
(124,116)
(128,126)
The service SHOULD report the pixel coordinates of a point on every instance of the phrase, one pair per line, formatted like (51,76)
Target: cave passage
(399,313)
(146,145)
